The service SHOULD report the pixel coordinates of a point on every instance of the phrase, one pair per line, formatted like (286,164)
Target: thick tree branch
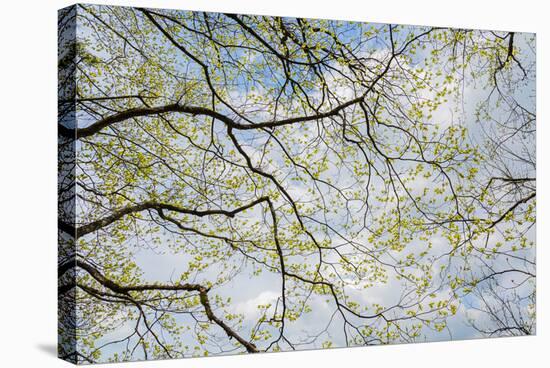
(120,213)
(202,290)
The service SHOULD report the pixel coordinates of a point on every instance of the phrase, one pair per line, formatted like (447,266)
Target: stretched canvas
(233,184)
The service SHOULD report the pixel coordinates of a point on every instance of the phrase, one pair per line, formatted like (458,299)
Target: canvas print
(234,184)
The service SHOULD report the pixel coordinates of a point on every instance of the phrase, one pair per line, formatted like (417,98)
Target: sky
(164,262)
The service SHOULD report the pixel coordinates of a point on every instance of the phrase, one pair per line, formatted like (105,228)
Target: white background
(28,57)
